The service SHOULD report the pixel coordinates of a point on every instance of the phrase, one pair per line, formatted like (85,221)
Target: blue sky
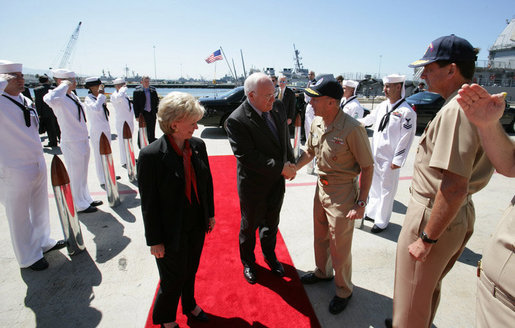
(333,36)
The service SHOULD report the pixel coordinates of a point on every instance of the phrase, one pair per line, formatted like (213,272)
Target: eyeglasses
(283,82)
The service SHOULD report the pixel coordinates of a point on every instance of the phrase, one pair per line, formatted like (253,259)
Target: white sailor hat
(10,67)
(350,83)
(92,81)
(62,73)
(394,78)
(119,80)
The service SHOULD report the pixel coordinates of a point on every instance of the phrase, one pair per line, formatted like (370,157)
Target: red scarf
(189,171)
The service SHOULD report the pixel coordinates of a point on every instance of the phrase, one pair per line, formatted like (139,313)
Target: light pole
(379,73)
(155,72)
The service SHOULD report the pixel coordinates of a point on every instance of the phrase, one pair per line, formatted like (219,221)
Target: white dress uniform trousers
(124,113)
(74,142)
(390,146)
(98,124)
(23,182)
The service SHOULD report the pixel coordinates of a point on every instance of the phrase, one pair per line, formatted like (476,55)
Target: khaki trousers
(495,306)
(333,234)
(417,284)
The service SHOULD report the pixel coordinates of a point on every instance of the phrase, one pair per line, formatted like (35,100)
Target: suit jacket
(43,109)
(161,187)
(289,103)
(260,156)
(139,99)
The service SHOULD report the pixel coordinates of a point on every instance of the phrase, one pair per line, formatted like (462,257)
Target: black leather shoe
(202,316)
(368,218)
(310,278)
(118,177)
(276,267)
(388,322)
(90,209)
(60,244)
(250,275)
(338,304)
(96,203)
(51,145)
(376,229)
(40,265)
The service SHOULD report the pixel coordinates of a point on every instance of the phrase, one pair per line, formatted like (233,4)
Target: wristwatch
(426,239)
(361,203)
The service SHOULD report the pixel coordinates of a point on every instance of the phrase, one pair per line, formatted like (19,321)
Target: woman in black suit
(176,190)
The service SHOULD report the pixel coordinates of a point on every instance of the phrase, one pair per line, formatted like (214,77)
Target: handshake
(289,171)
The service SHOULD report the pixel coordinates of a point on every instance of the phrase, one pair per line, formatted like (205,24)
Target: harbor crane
(65,60)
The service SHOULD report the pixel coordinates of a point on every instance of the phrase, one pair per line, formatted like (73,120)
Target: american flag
(217,55)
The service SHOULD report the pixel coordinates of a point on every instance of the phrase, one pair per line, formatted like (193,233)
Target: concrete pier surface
(112,283)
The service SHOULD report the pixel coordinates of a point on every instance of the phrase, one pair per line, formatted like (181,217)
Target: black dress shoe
(202,316)
(60,244)
(276,267)
(118,177)
(40,265)
(310,278)
(368,218)
(90,209)
(51,145)
(376,229)
(388,322)
(96,203)
(250,275)
(338,304)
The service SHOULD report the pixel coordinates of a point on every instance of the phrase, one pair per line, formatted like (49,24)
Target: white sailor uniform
(352,107)
(74,141)
(23,180)
(98,124)
(124,113)
(388,146)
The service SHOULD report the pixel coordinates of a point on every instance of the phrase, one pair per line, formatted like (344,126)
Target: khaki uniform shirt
(341,148)
(450,143)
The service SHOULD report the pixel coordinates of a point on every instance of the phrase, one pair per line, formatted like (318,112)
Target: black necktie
(106,111)
(79,107)
(386,117)
(271,125)
(25,109)
(130,102)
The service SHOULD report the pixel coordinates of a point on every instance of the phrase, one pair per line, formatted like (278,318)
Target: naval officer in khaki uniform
(341,147)
(450,166)
(496,283)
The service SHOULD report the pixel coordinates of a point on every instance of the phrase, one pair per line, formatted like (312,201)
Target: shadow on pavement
(213,133)
(109,238)
(61,295)
(128,200)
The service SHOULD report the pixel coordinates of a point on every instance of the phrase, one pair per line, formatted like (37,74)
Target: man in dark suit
(145,101)
(260,142)
(48,119)
(287,97)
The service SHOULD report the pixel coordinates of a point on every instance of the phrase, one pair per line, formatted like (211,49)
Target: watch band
(361,203)
(426,239)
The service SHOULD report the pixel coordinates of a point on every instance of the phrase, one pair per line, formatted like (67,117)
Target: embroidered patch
(397,114)
(407,126)
(338,141)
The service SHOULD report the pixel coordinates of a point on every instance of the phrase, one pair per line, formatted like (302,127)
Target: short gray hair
(177,106)
(252,81)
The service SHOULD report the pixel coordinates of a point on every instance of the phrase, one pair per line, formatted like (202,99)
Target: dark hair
(339,78)
(43,79)
(467,68)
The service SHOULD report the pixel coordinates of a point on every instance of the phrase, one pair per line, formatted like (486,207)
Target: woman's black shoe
(202,316)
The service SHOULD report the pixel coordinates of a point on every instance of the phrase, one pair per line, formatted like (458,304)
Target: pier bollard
(143,139)
(129,152)
(296,139)
(113,197)
(66,207)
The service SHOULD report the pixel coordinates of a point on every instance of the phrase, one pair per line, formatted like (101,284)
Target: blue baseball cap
(450,48)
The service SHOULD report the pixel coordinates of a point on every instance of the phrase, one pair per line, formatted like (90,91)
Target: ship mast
(297,63)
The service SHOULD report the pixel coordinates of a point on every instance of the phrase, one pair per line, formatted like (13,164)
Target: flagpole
(214,78)
(230,70)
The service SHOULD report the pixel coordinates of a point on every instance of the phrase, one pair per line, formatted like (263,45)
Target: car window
(423,97)
(231,92)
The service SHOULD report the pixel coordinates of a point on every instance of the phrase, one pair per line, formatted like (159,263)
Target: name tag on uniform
(338,141)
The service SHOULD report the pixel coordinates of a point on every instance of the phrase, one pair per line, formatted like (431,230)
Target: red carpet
(221,289)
